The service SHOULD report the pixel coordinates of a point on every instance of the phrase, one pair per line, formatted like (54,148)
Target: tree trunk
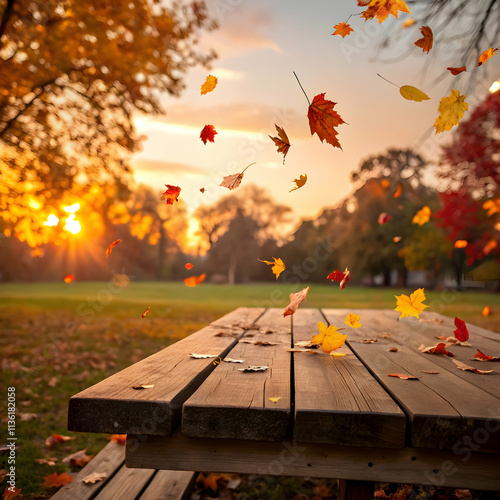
(231,272)
(162,247)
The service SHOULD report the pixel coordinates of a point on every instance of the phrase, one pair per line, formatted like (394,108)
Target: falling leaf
(425,43)
(202,356)
(393,349)
(118,438)
(403,376)
(111,246)
(398,191)
(143,386)
(46,461)
(460,243)
(413,94)
(486,55)
(145,313)
(323,120)
(188,266)
(486,311)
(299,182)
(412,305)
(193,281)
(208,133)
(342,29)
(485,357)
(457,71)
(408,23)
(451,109)
(341,277)
(281,141)
(202,190)
(69,278)
(171,194)
(78,459)
(121,280)
(461,333)
(467,368)
(353,320)
(234,180)
(436,349)
(231,360)
(329,338)
(55,480)
(275,400)
(209,85)
(94,477)
(278,266)
(295,300)
(489,247)
(429,372)
(254,369)
(382,8)
(384,218)
(396,239)
(385,183)
(422,216)
(56,438)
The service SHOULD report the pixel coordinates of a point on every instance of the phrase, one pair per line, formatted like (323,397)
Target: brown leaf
(431,373)
(393,349)
(47,461)
(111,246)
(78,459)
(234,180)
(143,386)
(323,120)
(56,438)
(463,366)
(55,480)
(425,43)
(436,349)
(94,477)
(367,341)
(295,300)
(403,376)
(144,314)
(457,71)
(281,141)
(485,357)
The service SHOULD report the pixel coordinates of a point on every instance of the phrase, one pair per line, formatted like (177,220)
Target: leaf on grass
(412,305)
(381,9)
(78,459)
(202,356)
(208,133)
(193,281)
(171,194)
(341,277)
(55,480)
(295,300)
(253,369)
(467,368)
(145,313)
(451,109)
(329,338)
(12,492)
(486,55)
(94,477)
(429,372)
(343,29)
(413,94)
(461,333)
(46,461)
(57,438)
(425,43)
(26,416)
(457,71)
(323,120)
(403,376)
(209,84)
(485,357)
(231,360)
(234,180)
(69,278)
(393,349)
(111,246)
(281,141)
(143,386)
(275,400)
(118,438)
(278,266)
(188,265)
(384,218)
(422,216)
(436,349)
(299,182)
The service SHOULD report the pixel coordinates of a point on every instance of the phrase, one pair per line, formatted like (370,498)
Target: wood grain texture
(408,465)
(112,406)
(169,485)
(337,400)
(126,484)
(236,405)
(356,490)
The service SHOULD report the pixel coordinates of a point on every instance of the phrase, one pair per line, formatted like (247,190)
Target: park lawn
(58,339)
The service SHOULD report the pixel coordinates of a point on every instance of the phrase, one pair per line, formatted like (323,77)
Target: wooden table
(341,418)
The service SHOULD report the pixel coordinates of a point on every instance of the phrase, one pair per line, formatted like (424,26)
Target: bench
(343,418)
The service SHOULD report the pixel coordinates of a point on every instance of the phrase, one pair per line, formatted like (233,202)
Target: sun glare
(71,209)
(72,225)
(495,86)
(51,221)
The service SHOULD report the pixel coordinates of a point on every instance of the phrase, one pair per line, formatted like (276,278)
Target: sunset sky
(260,44)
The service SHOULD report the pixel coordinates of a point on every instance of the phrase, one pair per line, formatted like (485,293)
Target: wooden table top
(349,400)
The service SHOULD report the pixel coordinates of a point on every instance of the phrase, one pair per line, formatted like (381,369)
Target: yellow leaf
(412,305)
(413,94)
(275,400)
(451,109)
(209,85)
(278,266)
(299,182)
(329,338)
(382,8)
(422,216)
(342,29)
(353,320)
(337,354)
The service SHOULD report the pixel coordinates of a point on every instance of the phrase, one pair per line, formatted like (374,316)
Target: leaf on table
(193,281)
(425,43)
(486,55)
(461,333)
(451,109)
(384,335)
(453,340)
(208,134)
(429,372)
(467,368)
(381,9)
(302,349)
(253,369)
(78,459)
(457,71)
(202,356)
(145,313)
(343,29)
(281,141)
(341,277)
(329,338)
(143,386)
(170,194)
(118,438)
(412,305)
(436,349)
(334,354)
(353,320)
(306,343)
(486,311)
(188,265)
(422,216)
(485,357)
(278,266)
(55,480)
(209,84)
(275,400)
(384,218)
(57,438)
(231,360)
(95,477)
(46,461)
(411,93)
(403,376)
(295,300)
(259,342)
(69,278)
(299,182)
(393,349)
(234,180)
(323,120)
(367,341)
(111,246)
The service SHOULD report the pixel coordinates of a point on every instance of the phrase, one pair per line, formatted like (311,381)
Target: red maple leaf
(461,333)
(208,133)
(55,480)
(341,277)
(171,194)
(323,120)
(457,71)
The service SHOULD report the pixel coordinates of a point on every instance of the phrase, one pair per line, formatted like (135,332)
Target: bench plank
(169,485)
(337,400)
(236,405)
(113,406)
(126,484)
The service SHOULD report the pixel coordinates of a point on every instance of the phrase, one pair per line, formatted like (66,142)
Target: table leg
(356,490)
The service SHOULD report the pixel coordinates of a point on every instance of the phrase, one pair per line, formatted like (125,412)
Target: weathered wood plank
(337,400)
(112,405)
(233,404)
(126,484)
(408,465)
(107,461)
(170,485)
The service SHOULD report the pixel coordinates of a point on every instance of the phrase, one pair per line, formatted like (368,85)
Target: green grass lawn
(57,339)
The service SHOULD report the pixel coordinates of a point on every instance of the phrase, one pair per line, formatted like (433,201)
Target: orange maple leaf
(295,300)
(55,480)
(457,71)
(486,55)
(281,141)
(425,43)
(208,133)
(323,120)
(111,246)
(193,281)
(69,278)
(342,29)
(234,180)
(382,8)
(171,194)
